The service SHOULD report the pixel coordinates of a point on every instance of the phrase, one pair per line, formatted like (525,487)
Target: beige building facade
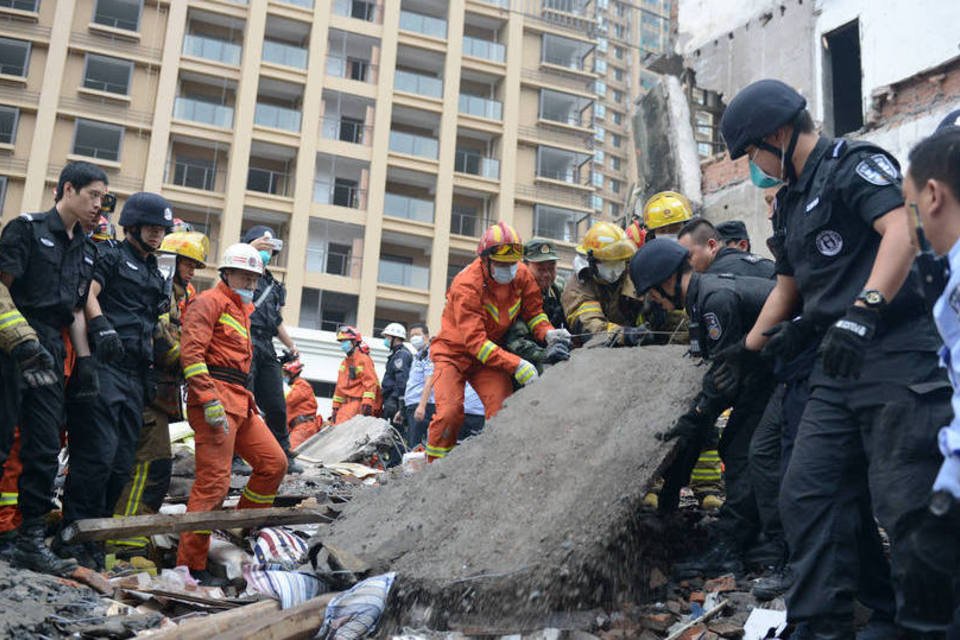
(378,138)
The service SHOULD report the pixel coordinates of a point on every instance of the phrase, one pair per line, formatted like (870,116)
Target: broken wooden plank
(706,615)
(201,628)
(129,526)
(295,623)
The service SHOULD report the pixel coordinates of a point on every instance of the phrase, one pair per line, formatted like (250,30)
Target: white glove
(525,373)
(558,335)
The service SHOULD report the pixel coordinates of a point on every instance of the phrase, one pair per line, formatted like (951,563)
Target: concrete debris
(356,440)
(542,511)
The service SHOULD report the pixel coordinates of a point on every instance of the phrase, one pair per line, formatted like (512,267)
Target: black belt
(228,374)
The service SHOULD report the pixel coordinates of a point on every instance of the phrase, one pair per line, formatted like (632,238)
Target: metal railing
(120,45)
(418,83)
(476,164)
(345,131)
(485,49)
(467,224)
(481,107)
(571,138)
(100,153)
(558,79)
(284,54)
(217,115)
(571,117)
(271,115)
(413,145)
(358,9)
(115,22)
(403,275)
(407,207)
(351,69)
(339,195)
(335,263)
(554,194)
(192,176)
(275,183)
(211,49)
(306,4)
(424,24)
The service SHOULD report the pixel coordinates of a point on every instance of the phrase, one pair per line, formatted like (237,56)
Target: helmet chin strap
(677,292)
(138,242)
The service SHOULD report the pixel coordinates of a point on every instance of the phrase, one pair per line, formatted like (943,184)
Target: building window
(112,75)
(618,74)
(598,156)
(602,45)
(8,124)
(600,88)
(98,140)
(14,57)
(843,92)
(119,14)
(614,185)
(705,111)
(599,112)
(614,210)
(619,31)
(618,52)
(618,96)
(616,140)
(556,223)
(21,5)
(195,173)
(617,117)
(3,192)
(599,134)
(597,202)
(621,9)
(597,179)
(615,163)
(600,65)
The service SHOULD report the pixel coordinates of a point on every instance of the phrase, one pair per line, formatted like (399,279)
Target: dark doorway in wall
(842,77)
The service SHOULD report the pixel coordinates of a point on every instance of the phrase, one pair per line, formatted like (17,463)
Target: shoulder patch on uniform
(27,216)
(829,243)
(878,170)
(712,323)
(752,258)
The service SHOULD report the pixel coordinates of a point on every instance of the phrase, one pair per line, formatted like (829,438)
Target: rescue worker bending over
(600,300)
(153,462)
(483,301)
(709,255)
(541,261)
(301,405)
(358,388)
(396,372)
(215,353)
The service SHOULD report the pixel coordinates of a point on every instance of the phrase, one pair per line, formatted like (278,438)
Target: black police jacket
(268,301)
(395,375)
(742,263)
(132,297)
(51,272)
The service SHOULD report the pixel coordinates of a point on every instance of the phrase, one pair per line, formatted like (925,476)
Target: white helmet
(395,330)
(243,257)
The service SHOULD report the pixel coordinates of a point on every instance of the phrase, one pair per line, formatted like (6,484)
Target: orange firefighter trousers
(253,441)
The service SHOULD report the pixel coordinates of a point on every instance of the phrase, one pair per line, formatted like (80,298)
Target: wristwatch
(873,299)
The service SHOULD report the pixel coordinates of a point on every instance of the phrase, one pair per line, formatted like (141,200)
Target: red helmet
(636,233)
(501,243)
(104,230)
(293,369)
(347,332)
(180,225)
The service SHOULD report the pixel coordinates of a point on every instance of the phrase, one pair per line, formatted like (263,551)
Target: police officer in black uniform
(721,308)
(47,262)
(877,396)
(709,255)
(266,374)
(127,295)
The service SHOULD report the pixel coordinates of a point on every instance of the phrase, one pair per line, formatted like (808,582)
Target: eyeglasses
(108,201)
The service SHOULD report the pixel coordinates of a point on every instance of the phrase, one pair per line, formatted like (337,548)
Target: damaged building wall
(667,158)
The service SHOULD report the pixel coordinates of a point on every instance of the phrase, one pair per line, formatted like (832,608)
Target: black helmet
(756,111)
(147,209)
(952,120)
(256,232)
(656,261)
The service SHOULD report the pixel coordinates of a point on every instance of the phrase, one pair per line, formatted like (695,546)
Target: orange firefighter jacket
(357,379)
(216,333)
(300,402)
(478,313)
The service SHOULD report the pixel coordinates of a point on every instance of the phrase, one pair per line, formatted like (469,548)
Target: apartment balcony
(284,54)
(303,4)
(403,275)
(212,49)
(195,175)
(340,194)
(408,208)
(468,221)
(481,107)
(423,24)
(333,261)
(485,49)
(476,164)
(414,145)
(346,130)
(203,111)
(277,183)
(359,10)
(277,117)
(418,83)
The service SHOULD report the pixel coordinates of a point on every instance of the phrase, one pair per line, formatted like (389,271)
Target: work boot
(774,585)
(78,551)
(722,559)
(31,551)
(207,579)
(292,465)
(766,554)
(240,468)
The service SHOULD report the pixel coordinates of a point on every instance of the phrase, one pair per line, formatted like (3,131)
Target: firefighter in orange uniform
(358,387)
(483,301)
(301,405)
(215,353)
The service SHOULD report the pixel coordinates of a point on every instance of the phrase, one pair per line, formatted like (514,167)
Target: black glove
(733,365)
(926,565)
(633,336)
(687,429)
(787,339)
(389,408)
(367,410)
(37,367)
(85,383)
(557,352)
(845,343)
(333,416)
(106,342)
(654,316)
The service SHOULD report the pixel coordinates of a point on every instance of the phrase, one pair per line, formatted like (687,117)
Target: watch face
(873,297)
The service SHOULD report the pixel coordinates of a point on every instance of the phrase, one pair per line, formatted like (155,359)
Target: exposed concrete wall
(704,20)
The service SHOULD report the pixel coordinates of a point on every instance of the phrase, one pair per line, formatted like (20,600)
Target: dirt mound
(34,605)
(540,512)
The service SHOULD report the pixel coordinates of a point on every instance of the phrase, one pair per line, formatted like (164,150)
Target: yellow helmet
(189,244)
(606,241)
(665,208)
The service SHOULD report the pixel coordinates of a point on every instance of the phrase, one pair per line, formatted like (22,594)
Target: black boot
(239,467)
(207,579)
(31,552)
(723,558)
(773,585)
(292,465)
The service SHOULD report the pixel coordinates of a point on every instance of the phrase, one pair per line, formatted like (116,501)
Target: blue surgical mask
(386,343)
(265,256)
(245,294)
(418,342)
(760,178)
(504,274)
(346,346)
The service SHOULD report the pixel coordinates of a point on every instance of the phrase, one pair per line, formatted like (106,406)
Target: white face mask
(418,342)
(667,236)
(580,263)
(611,271)
(504,274)
(245,294)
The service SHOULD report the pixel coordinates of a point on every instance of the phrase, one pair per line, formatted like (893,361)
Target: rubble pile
(542,511)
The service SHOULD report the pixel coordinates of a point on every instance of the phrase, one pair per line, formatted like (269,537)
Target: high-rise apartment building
(379,138)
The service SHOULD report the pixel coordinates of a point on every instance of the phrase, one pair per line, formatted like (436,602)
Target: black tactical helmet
(952,120)
(656,261)
(147,209)
(756,111)
(256,232)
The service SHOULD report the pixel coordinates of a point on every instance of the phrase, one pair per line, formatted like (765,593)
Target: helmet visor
(512,252)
